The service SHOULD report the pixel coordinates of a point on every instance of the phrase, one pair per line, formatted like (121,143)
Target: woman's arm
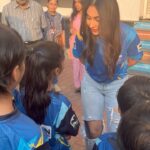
(132,62)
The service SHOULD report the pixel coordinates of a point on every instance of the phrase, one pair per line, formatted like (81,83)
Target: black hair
(109,32)
(134,127)
(75,12)
(39,73)
(12,53)
(134,90)
(50,0)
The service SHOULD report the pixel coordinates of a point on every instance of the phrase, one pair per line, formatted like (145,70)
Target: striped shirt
(27,22)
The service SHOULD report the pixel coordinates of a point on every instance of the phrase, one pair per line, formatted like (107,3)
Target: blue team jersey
(131,48)
(57,111)
(18,132)
(107,141)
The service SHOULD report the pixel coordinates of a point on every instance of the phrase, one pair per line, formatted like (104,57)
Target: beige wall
(2,3)
(130,10)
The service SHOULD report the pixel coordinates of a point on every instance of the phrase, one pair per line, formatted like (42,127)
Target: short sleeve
(134,50)
(78,47)
(67,121)
(70,124)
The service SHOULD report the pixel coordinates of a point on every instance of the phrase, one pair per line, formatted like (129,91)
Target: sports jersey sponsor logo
(48,130)
(74,121)
(139,47)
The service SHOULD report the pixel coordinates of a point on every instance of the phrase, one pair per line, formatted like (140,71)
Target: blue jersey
(18,132)
(130,48)
(107,141)
(60,118)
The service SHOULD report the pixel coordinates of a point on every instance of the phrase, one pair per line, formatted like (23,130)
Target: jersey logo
(48,130)
(139,47)
(74,121)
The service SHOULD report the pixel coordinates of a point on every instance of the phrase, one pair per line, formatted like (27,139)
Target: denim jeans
(99,99)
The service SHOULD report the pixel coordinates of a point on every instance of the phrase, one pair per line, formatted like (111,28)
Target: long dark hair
(39,73)
(134,128)
(109,32)
(75,12)
(12,53)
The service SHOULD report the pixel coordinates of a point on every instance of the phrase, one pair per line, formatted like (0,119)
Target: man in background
(27,18)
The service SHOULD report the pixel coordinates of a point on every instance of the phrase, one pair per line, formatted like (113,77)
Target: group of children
(35,98)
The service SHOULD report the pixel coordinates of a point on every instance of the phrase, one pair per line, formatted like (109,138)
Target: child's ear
(16,73)
(57,71)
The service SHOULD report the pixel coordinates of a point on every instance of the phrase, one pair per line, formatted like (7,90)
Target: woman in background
(75,23)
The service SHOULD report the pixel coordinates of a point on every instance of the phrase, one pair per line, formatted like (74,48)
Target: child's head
(12,56)
(134,128)
(52,6)
(43,65)
(134,90)
(77,7)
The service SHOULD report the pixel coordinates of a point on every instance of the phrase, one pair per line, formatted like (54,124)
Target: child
(134,128)
(134,90)
(44,106)
(55,29)
(17,131)
(78,67)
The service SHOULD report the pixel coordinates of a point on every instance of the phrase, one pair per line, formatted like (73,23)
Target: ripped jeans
(99,99)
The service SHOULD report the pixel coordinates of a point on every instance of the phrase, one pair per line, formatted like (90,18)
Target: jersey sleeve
(106,141)
(67,122)
(134,50)
(45,145)
(78,46)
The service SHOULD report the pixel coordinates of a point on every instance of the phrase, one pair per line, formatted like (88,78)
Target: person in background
(17,131)
(46,107)
(27,18)
(134,91)
(55,29)
(75,23)
(107,47)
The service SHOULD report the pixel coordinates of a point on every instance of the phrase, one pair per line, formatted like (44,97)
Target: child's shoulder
(107,141)
(59,98)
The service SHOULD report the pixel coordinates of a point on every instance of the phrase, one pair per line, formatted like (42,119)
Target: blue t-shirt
(130,49)
(57,112)
(19,132)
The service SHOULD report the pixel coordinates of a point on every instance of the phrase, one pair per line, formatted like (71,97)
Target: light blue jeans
(98,98)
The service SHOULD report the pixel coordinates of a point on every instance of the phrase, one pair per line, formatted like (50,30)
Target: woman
(107,47)
(75,23)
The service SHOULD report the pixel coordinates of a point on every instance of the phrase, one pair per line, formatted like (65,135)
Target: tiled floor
(66,84)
